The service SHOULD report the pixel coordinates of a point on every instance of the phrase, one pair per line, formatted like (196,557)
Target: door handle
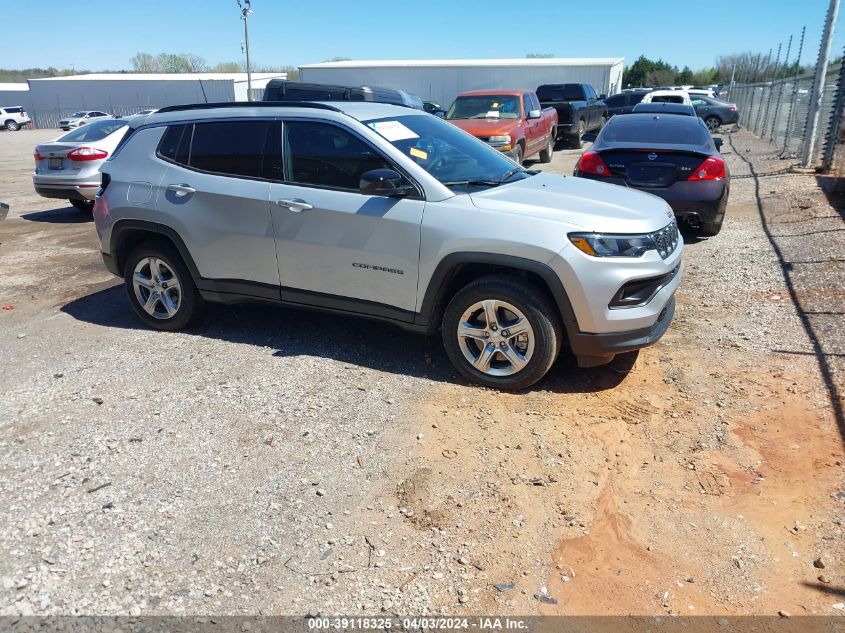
(181,190)
(295,204)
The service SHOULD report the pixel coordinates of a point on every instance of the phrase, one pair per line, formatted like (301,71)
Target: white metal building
(14,94)
(441,80)
(125,93)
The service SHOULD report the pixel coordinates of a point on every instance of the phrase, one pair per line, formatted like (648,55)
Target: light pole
(246,11)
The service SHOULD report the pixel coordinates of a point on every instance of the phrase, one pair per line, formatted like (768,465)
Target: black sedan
(624,102)
(673,157)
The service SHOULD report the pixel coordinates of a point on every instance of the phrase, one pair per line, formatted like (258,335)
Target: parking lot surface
(275,461)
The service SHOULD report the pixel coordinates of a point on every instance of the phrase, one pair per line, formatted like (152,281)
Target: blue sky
(106,35)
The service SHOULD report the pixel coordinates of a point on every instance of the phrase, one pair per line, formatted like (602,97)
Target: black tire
(12,126)
(713,123)
(538,309)
(709,229)
(518,155)
(546,154)
(576,141)
(83,205)
(191,304)
(603,123)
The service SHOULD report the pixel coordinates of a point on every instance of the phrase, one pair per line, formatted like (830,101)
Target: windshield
(447,152)
(485,107)
(93,131)
(78,115)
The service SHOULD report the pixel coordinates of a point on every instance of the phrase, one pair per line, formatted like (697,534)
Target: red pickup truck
(509,120)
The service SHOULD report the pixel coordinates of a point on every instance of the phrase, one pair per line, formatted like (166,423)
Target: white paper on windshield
(493,114)
(393,130)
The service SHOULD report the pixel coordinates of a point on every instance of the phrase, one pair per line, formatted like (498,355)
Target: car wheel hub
(157,288)
(496,338)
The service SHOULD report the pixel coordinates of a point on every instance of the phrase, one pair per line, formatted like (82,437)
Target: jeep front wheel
(502,332)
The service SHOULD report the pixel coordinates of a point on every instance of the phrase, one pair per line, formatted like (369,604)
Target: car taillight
(732,108)
(593,163)
(87,153)
(711,169)
(37,156)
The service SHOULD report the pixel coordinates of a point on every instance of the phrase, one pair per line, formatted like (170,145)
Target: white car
(13,118)
(668,96)
(81,118)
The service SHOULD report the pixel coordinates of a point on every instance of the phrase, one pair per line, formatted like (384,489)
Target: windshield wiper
(484,183)
(510,173)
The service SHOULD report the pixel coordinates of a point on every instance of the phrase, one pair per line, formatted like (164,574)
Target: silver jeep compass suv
(390,213)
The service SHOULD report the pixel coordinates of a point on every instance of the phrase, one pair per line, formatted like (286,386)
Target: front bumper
(599,349)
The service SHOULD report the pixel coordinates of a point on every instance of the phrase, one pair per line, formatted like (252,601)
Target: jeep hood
(591,205)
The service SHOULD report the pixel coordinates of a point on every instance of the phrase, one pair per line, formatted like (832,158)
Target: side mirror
(383,182)
(589,137)
(534,114)
(718,143)
(440,113)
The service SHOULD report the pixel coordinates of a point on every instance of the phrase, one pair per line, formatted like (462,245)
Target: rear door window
(13,110)
(232,148)
(325,155)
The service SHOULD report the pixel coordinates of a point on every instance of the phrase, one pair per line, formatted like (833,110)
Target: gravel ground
(283,462)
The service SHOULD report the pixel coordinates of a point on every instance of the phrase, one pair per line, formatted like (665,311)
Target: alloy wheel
(157,288)
(495,337)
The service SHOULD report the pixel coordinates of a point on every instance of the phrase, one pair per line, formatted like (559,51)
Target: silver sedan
(69,167)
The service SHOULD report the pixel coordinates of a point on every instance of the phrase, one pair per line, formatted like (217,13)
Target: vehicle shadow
(293,332)
(62,215)
(814,335)
(833,188)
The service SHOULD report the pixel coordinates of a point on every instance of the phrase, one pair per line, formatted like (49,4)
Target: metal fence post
(835,121)
(753,89)
(773,136)
(771,93)
(818,85)
(794,92)
(763,93)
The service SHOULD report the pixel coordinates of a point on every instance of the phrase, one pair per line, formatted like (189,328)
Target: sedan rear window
(668,129)
(94,131)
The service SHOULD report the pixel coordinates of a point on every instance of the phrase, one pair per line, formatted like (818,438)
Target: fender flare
(451,263)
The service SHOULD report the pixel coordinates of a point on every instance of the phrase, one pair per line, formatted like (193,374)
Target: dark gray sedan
(714,112)
(667,155)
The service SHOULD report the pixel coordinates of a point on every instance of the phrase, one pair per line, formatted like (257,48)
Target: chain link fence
(778,111)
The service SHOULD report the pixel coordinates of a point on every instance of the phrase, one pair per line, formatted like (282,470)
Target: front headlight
(601,245)
(499,139)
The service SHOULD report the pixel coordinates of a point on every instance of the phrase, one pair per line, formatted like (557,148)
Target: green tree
(684,77)
(643,73)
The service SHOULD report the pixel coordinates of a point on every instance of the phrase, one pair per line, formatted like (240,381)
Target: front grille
(667,239)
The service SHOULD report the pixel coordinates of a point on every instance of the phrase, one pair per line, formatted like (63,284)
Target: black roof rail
(249,104)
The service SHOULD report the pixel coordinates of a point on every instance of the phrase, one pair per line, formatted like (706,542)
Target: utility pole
(246,11)
(818,85)
(731,86)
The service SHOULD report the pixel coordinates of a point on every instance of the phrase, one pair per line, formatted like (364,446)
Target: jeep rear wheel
(12,126)
(160,288)
(502,332)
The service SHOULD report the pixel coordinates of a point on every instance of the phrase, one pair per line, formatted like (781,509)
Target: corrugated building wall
(443,80)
